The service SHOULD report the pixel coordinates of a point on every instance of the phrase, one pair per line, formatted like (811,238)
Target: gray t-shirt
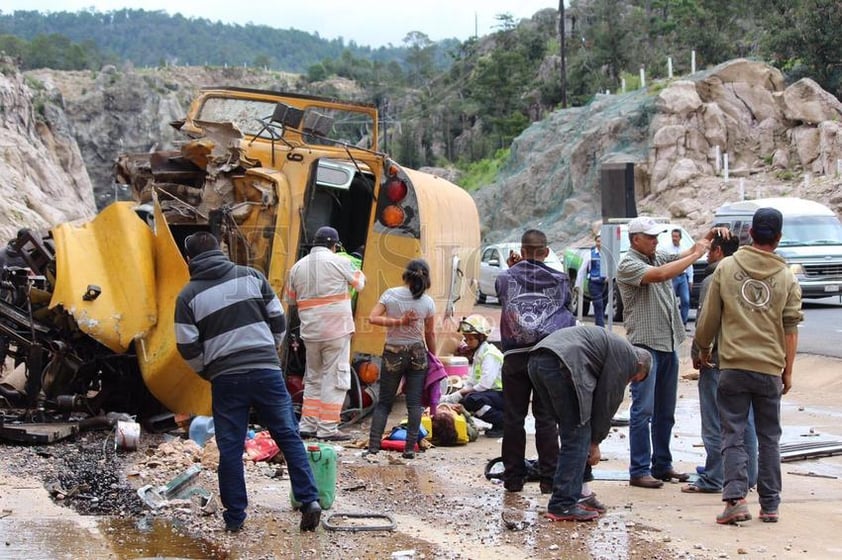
(397,302)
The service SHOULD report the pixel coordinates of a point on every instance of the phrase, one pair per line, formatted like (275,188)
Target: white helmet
(475,324)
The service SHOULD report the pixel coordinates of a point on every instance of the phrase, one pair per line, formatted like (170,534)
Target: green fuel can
(322,458)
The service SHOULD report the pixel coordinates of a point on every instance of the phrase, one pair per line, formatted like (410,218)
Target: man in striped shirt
(318,287)
(228,325)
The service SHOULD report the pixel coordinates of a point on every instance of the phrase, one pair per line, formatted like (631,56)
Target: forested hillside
(454,104)
(154,38)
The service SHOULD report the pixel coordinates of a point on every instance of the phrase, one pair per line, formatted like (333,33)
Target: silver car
(493,262)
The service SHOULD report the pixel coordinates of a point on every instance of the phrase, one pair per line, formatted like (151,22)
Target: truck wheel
(617,306)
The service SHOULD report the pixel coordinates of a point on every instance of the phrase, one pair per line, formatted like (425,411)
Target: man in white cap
(318,287)
(653,322)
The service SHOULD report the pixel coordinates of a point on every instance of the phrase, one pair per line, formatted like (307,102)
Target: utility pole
(563,53)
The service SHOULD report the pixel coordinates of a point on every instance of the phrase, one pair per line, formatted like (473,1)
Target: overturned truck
(88,319)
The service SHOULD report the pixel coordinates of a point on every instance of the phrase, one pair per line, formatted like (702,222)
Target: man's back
(756,299)
(318,286)
(534,300)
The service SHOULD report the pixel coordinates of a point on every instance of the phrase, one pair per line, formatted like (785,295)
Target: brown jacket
(753,301)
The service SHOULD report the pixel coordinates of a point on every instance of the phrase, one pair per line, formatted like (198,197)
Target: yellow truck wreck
(90,316)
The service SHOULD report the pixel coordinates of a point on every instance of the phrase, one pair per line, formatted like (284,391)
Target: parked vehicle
(811,242)
(92,315)
(493,262)
(572,259)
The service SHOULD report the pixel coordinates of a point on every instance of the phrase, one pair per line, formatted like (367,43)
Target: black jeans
(517,390)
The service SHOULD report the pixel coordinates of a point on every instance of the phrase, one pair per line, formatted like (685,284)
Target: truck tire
(617,306)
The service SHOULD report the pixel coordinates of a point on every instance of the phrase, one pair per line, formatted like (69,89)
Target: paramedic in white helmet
(482,393)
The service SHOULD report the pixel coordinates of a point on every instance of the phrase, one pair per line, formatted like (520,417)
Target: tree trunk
(563,52)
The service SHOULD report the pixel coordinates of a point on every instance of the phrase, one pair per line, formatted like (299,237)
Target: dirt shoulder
(443,507)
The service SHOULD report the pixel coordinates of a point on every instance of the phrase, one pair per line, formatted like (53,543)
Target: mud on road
(79,499)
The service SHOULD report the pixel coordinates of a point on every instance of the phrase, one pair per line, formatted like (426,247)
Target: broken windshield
(321,124)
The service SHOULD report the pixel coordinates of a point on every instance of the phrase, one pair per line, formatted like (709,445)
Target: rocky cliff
(43,180)
(779,141)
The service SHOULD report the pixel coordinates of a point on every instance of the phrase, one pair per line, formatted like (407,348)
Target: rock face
(43,180)
(678,137)
(773,135)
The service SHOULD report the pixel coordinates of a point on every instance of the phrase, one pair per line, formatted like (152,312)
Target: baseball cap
(767,222)
(647,225)
(326,234)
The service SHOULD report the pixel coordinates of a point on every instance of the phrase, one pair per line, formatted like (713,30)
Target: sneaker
(494,432)
(514,485)
(590,502)
(574,513)
(546,487)
(234,527)
(769,516)
(735,511)
(408,454)
(311,514)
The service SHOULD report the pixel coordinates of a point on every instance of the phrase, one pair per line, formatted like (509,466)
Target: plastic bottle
(322,459)
(201,429)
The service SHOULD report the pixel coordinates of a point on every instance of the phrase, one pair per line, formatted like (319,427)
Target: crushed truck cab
(262,171)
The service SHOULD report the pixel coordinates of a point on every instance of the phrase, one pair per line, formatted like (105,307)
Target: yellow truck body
(262,170)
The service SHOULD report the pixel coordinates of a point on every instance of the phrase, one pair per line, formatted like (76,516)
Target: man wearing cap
(228,325)
(653,322)
(752,309)
(318,287)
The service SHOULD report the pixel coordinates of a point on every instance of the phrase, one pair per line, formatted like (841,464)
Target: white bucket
(128,433)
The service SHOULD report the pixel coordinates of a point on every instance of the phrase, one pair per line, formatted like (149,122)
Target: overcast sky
(368,22)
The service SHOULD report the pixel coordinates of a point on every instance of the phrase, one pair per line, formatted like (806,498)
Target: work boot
(336,436)
(311,514)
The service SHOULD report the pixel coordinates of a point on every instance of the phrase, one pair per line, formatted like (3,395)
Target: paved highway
(820,333)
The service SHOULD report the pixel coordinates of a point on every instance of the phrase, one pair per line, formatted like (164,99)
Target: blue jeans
(233,397)
(554,383)
(740,391)
(681,287)
(410,363)
(652,417)
(711,479)
(596,289)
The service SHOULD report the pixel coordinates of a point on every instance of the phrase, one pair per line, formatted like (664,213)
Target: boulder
(680,98)
(807,102)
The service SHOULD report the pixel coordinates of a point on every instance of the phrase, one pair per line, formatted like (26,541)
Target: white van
(811,241)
